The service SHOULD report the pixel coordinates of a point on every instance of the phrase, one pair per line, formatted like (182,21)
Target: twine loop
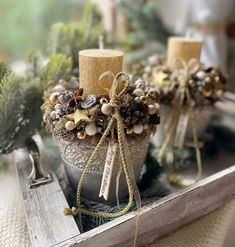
(125,158)
(182,95)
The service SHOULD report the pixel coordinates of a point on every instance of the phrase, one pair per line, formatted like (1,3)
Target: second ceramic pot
(202,119)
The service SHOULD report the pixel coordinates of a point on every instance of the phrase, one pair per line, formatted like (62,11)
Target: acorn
(81,135)
(106,109)
(53,98)
(138,129)
(69,125)
(91,129)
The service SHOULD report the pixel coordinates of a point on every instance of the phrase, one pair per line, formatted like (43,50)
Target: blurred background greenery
(24,24)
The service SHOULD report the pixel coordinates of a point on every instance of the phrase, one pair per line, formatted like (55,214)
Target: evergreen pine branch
(58,67)
(19,100)
(34,64)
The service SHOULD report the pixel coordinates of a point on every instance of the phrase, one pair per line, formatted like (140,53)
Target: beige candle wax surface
(183,48)
(92,63)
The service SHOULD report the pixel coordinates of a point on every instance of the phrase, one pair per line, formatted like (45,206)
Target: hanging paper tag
(181,129)
(108,168)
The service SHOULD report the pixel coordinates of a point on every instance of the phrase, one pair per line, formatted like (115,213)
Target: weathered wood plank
(44,205)
(164,216)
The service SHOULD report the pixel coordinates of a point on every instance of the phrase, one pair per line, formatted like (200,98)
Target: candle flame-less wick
(101,43)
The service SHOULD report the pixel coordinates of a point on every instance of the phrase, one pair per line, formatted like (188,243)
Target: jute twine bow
(182,95)
(124,153)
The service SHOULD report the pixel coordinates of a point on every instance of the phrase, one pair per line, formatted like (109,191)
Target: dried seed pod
(44,118)
(145,126)
(139,81)
(136,113)
(153,94)
(103,101)
(200,75)
(81,135)
(143,99)
(69,125)
(220,94)
(89,101)
(57,107)
(59,112)
(127,120)
(137,99)
(95,139)
(106,109)
(58,88)
(138,92)
(53,115)
(134,120)
(129,131)
(53,99)
(217,79)
(152,109)
(65,96)
(207,90)
(207,79)
(154,119)
(157,106)
(138,129)
(90,129)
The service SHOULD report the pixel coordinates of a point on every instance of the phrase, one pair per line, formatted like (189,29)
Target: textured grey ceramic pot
(76,154)
(202,119)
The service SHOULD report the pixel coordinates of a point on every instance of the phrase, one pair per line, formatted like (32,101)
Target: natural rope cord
(127,167)
(174,179)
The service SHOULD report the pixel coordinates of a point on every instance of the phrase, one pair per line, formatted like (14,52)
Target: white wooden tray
(49,227)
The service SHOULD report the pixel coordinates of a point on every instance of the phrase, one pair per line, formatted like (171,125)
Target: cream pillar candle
(184,48)
(92,63)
